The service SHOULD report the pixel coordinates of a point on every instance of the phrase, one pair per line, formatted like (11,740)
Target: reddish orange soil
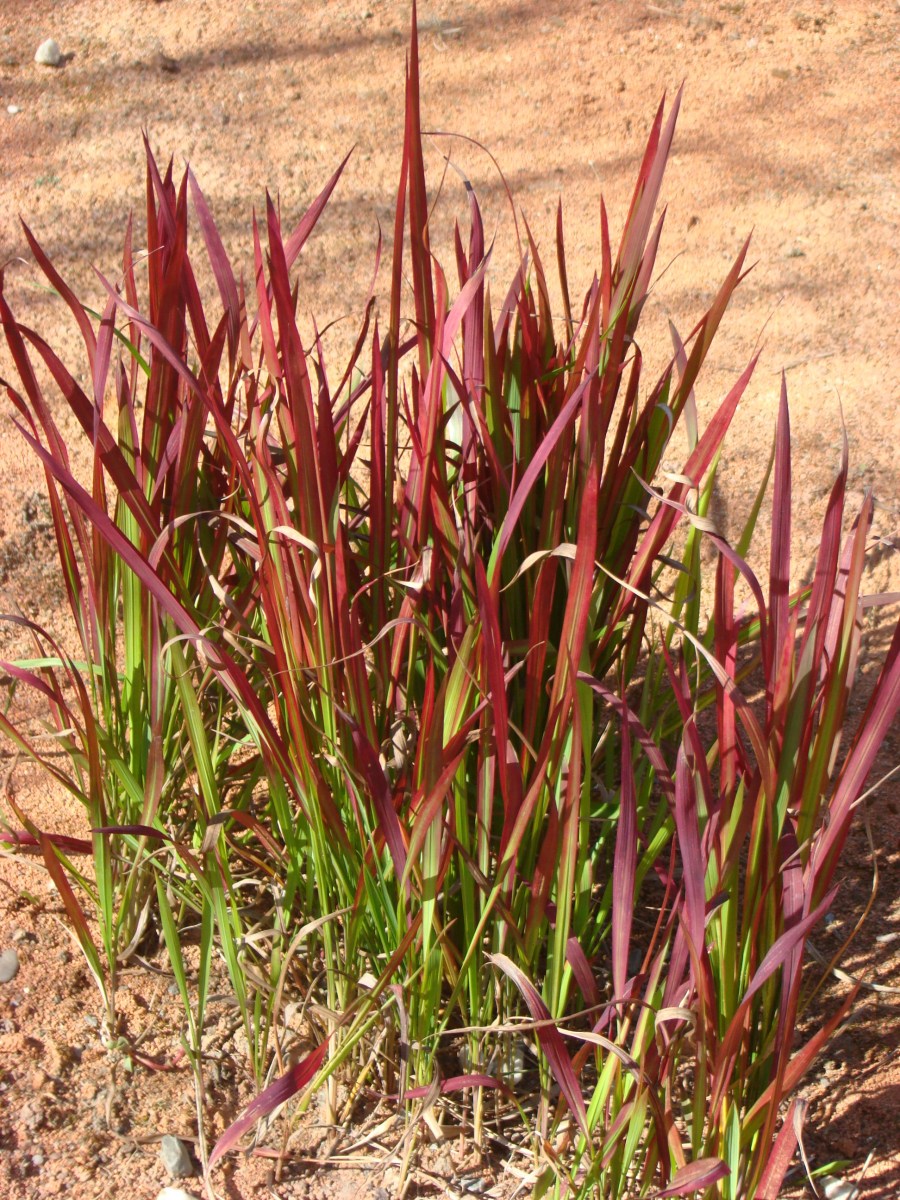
(788,130)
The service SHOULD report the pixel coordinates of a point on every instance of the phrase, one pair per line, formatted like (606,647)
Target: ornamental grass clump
(394,696)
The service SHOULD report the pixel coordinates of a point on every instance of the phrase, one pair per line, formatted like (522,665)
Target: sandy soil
(788,129)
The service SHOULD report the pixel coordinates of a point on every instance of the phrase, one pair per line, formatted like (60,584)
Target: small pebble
(167,64)
(48,54)
(9,966)
(838,1189)
(175,1156)
(13,109)
(170,1193)
(20,935)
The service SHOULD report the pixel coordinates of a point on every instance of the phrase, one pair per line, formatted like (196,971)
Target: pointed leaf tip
(267,1101)
(694,1177)
(549,1039)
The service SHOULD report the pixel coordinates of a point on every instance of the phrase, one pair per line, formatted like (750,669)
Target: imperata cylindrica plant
(404,698)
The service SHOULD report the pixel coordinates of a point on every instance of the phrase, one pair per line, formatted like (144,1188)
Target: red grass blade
(880,714)
(221,268)
(774,960)
(420,253)
(695,1177)
(60,285)
(686,823)
(276,1094)
(646,195)
(456,1083)
(380,791)
(636,729)
(564,418)
(30,843)
(550,1040)
(697,464)
(782,1151)
(295,241)
(801,1062)
(584,976)
(780,555)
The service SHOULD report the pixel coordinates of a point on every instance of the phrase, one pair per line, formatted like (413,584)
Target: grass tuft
(396,696)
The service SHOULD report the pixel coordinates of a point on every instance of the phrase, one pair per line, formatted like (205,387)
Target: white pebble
(170,1193)
(9,966)
(838,1189)
(13,109)
(48,54)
